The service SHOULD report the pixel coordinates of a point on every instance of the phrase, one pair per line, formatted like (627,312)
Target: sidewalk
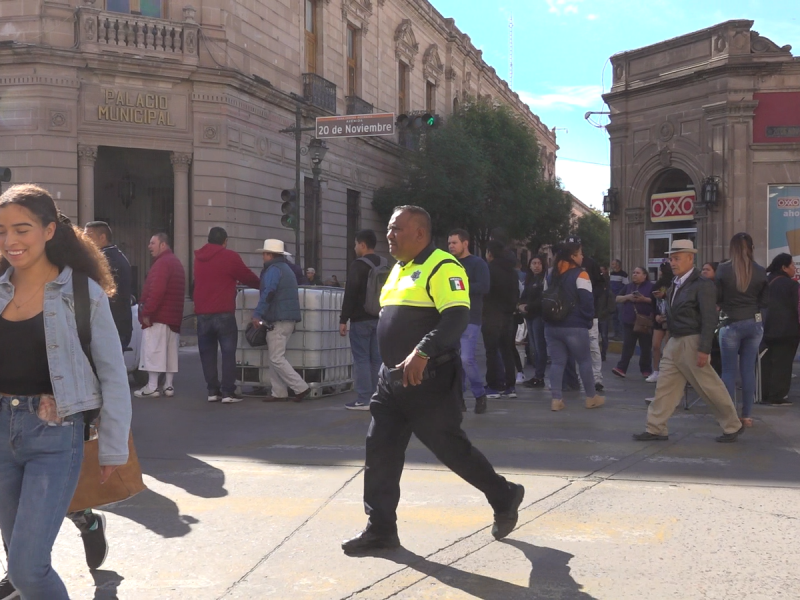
(252,500)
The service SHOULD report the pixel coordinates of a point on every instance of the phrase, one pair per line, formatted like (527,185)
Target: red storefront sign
(777,118)
(672,206)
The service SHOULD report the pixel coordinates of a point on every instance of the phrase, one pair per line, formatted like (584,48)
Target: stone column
(180,169)
(87,155)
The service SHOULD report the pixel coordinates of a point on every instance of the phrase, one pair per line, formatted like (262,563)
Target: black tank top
(24,369)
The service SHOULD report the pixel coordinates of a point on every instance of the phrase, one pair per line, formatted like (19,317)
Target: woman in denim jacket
(47,384)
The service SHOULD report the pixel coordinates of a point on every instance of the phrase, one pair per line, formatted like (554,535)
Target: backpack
(378,274)
(556,304)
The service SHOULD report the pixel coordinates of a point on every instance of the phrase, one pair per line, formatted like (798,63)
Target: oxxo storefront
(705,142)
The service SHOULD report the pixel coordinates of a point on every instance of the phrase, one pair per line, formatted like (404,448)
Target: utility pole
(297,130)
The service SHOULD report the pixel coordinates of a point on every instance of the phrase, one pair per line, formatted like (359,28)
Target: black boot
(480,405)
(367,541)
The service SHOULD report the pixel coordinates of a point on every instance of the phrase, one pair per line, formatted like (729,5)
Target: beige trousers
(679,366)
(281,374)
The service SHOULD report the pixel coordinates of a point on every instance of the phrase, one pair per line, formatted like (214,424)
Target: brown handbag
(643,323)
(125,482)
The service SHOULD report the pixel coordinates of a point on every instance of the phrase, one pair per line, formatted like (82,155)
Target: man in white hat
(691,320)
(279,309)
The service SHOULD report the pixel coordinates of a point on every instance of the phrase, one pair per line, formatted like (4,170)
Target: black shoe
(95,543)
(603,357)
(649,437)
(504,522)
(598,387)
(7,590)
(367,541)
(534,383)
(729,438)
(480,405)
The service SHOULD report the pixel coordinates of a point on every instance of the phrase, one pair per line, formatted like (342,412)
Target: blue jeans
(738,344)
(563,343)
(214,330)
(39,468)
(538,345)
(366,358)
(472,375)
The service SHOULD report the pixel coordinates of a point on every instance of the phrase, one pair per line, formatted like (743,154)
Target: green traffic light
(431,122)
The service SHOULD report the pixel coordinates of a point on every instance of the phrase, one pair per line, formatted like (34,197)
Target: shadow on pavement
(156,512)
(193,475)
(549,579)
(106,584)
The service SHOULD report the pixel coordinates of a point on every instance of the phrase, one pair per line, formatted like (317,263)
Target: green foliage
(481,170)
(594,230)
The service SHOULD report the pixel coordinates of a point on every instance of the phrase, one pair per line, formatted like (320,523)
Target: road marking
(689,461)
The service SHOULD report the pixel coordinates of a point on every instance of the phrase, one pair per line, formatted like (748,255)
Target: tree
(594,230)
(481,171)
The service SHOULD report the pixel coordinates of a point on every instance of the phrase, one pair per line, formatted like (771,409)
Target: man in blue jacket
(279,309)
(478,276)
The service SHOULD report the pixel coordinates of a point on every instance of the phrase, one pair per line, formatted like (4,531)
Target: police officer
(425,309)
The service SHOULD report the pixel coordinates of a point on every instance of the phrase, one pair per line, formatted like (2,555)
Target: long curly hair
(69,245)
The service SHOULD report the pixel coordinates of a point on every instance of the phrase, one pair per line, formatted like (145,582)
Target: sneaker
(520,377)
(649,401)
(618,372)
(493,394)
(214,397)
(7,590)
(357,405)
(94,542)
(169,392)
(534,383)
(647,376)
(232,399)
(653,377)
(556,405)
(651,437)
(145,392)
(509,393)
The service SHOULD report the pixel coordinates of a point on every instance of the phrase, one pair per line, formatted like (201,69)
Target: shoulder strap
(434,271)
(80,289)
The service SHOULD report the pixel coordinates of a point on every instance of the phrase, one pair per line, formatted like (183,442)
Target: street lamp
(611,201)
(317,150)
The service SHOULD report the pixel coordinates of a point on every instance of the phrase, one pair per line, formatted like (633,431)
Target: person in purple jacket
(636,298)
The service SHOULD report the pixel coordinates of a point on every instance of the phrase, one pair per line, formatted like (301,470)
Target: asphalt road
(252,500)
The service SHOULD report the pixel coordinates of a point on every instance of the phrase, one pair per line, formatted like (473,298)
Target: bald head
(409,232)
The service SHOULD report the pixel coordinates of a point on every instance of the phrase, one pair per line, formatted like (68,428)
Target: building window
(353,60)
(430,96)
(353,222)
(402,88)
(311,36)
(147,8)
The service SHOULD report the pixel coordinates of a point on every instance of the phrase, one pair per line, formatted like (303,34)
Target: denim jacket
(278,299)
(75,387)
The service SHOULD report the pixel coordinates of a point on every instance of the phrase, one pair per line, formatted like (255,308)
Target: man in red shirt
(161,314)
(217,270)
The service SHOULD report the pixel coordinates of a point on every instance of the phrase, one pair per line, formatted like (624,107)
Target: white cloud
(592,17)
(566,96)
(564,7)
(586,182)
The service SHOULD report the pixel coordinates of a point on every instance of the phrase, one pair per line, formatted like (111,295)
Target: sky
(561,52)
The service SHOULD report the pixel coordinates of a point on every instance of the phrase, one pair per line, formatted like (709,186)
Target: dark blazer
(693,310)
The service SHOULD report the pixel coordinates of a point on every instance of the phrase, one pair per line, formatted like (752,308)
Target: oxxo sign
(673,206)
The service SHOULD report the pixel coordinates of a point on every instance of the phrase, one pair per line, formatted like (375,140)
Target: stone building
(705,143)
(153,115)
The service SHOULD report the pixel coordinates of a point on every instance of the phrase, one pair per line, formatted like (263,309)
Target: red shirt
(164,292)
(217,270)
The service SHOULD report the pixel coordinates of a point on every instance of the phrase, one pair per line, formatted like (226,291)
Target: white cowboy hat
(682,246)
(273,247)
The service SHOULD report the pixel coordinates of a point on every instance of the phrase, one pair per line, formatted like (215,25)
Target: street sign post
(355,125)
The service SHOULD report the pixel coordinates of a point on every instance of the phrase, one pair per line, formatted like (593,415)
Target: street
(252,501)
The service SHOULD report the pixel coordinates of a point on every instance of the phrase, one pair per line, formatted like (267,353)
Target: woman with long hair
(531,307)
(636,299)
(569,337)
(781,331)
(659,300)
(47,384)
(742,292)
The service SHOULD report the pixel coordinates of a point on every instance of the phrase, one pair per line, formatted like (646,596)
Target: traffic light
(418,122)
(5,174)
(290,217)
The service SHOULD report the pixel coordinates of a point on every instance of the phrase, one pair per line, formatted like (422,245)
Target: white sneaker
(145,392)
(653,377)
(169,392)
(520,377)
(214,398)
(231,399)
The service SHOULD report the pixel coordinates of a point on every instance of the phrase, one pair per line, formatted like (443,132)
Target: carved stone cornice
(406,46)
(357,12)
(432,66)
(180,161)
(87,155)
(743,109)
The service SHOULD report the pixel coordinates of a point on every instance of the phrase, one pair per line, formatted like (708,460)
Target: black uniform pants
(432,412)
(498,340)
(776,369)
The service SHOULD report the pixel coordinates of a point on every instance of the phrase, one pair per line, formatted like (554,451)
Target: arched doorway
(671,215)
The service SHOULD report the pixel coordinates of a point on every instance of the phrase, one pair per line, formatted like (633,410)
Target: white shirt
(679,281)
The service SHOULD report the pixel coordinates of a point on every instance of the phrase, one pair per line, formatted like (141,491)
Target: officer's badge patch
(416,275)
(457,284)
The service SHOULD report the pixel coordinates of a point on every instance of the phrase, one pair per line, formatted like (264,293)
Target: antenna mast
(511,51)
